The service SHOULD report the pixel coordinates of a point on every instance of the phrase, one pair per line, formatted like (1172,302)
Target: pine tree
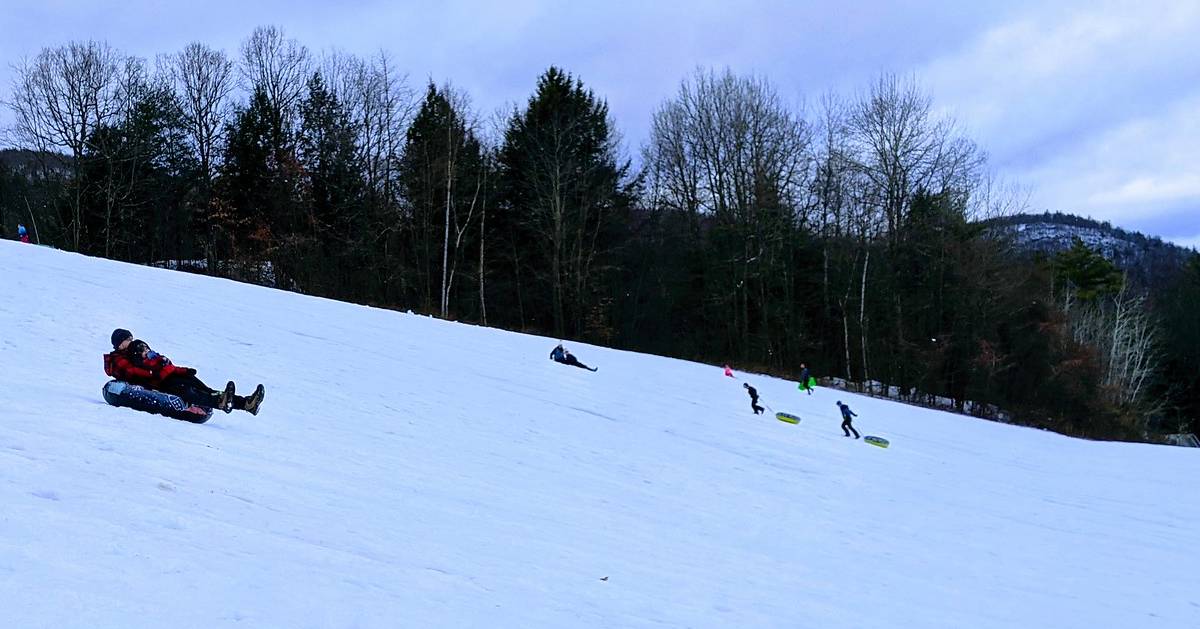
(443,175)
(565,201)
(1086,273)
(259,209)
(1181,360)
(334,229)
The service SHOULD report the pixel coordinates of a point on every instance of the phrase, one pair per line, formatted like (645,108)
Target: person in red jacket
(134,362)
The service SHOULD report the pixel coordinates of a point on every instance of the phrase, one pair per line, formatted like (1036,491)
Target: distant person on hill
(561,355)
(22,234)
(728,372)
(847,427)
(134,362)
(753,398)
(804,378)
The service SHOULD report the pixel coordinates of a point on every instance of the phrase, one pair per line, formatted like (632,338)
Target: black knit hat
(119,335)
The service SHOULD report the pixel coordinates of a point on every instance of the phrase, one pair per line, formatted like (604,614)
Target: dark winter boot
(250,404)
(225,401)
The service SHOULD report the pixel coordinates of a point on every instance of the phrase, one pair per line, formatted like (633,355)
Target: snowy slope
(409,472)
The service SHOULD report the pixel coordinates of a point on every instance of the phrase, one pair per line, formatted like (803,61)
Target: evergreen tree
(565,199)
(335,229)
(1181,360)
(443,175)
(1086,273)
(259,210)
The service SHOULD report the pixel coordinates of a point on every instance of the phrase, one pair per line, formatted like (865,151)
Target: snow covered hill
(410,472)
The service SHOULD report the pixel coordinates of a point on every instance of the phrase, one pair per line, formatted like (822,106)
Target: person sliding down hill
(22,234)
(561,355)
(134,362)
(753,398)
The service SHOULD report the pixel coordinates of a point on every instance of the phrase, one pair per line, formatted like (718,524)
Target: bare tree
(729,147)
(1125,337)
(714,144)
(673,172)
(460,136)
(901,148)
(835,185)
(994,197)
(204,79)
(280,67)
(381,105)
(60,98)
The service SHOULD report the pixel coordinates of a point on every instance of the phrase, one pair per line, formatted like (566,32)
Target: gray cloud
(1094,106)
(1089,103)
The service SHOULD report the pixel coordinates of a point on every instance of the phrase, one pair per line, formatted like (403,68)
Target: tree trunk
(482,236)
(446,231)
(846,339)
(862,316)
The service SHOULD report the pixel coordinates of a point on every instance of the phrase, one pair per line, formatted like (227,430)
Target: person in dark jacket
(134,362)
(804,377)
(561,355)
(847,427)
(753,398)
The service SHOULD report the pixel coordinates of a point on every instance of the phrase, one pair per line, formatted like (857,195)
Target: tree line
(847,235)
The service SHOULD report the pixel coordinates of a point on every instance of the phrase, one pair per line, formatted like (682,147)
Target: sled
(808,385)
(139,398)
(787,417)
(876,441)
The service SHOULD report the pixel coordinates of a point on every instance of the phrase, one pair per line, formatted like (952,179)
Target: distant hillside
(1148,260)
(27,162)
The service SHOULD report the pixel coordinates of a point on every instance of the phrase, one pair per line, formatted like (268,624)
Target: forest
(852,233)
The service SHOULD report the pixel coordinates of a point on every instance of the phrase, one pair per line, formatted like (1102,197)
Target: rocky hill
(1148,260)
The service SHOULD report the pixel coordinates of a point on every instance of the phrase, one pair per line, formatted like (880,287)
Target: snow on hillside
(1052,238)
(1148,261)
(410,472)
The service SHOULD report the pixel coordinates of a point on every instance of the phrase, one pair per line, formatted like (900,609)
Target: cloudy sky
(1092,105)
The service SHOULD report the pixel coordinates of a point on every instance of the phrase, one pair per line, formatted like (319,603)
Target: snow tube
(139,398)
(876,441)
(787,417)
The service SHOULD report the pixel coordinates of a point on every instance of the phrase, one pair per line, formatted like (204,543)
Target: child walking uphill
(805,379)
(846,415)
(753,398)
(134,362)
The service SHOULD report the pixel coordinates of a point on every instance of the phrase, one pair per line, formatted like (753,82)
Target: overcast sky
(1093,105)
